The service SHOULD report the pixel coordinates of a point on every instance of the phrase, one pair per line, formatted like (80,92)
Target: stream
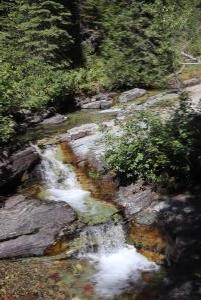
(98,260)
(118,267)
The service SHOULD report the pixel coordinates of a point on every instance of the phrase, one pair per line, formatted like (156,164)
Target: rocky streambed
(69,214)
(70,231)
(61,219)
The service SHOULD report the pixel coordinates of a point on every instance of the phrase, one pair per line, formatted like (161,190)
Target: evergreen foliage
(38,29)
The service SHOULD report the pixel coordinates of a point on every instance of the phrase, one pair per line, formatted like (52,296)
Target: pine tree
(91,23)
(39,29)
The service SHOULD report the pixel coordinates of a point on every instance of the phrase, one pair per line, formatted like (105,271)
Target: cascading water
(118,265)
(61,182)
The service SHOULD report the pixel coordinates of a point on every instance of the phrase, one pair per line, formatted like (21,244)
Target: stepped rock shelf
(76,222)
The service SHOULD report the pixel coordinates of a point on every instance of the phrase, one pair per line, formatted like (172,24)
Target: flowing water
(117,265)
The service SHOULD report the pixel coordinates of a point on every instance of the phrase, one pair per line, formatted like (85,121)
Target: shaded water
(118,267)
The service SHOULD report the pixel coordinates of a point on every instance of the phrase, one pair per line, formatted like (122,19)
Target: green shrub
(6,129)
(159,152)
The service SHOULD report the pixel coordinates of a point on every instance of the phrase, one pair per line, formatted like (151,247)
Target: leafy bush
(6,128)
(159,152)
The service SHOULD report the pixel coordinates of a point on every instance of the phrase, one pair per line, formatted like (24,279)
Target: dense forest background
(54,50)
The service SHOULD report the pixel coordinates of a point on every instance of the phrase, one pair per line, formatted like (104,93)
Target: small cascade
(119,266)
(60,181)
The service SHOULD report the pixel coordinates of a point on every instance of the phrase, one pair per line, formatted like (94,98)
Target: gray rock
(105,96)
(54,120)
(87,144)
(105,104)
(90,149)
(138,202)
(13,167)
(191,82)
(131,95)
(29,226)
(82,131)
(99,101)
(92,105)
(35,119)
(114,111)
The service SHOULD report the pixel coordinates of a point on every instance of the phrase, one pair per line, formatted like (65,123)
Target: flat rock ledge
(30,226)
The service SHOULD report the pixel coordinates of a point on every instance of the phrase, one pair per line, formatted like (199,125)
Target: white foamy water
(61,182)
(119,266)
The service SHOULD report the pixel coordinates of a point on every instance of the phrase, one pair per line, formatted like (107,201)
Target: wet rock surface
(14,166)
(29,226)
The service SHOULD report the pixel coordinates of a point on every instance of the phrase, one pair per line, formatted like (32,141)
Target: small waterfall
(102,239)
(60,181)
(119,266)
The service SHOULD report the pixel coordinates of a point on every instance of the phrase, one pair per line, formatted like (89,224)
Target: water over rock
(29,226)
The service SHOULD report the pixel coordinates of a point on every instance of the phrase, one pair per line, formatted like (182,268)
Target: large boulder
(13,167)
(131,95)
(29,226)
